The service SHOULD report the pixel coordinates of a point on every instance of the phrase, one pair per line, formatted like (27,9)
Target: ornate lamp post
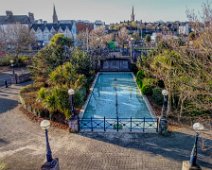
(193,158)
(50,162)
(163,123)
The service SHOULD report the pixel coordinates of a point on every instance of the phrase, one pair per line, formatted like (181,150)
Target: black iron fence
(144,125)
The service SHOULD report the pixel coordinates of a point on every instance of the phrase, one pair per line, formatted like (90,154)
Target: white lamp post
(163,123)
(45,124)
(12,65)
(165,94)
(71,99)
(50,163)
(198,127)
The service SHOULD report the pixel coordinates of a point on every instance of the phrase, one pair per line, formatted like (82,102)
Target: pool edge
(82,110)
(149,107)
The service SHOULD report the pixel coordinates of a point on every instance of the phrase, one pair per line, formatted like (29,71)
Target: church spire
(55,18)
(133,15)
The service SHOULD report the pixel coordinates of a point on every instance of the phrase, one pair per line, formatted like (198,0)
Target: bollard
(6,84)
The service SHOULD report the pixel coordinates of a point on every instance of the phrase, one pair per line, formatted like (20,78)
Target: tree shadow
(7,104)
(177,146)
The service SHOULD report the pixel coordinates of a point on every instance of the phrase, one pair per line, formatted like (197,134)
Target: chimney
(9,13)
(31,17)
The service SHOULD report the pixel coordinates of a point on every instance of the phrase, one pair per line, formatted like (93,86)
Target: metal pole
(117,124)
(144,125)
(157,128)
(165,106)
(193,157)
(91,124)
(104,124)
(130,124)
(48,149)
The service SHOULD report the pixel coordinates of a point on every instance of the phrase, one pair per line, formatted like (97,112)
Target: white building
(99,24)
(45,31)
(184,29)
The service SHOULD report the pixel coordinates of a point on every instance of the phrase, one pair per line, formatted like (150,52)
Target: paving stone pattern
(22,145)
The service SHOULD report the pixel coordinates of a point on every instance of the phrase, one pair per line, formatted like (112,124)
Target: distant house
(45,31)
(99,24)
(184,29)
(10,22)
(10,19)
(82,26)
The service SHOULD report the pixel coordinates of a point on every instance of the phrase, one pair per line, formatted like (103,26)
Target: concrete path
(22,145)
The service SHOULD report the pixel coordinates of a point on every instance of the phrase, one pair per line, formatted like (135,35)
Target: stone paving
(22,145)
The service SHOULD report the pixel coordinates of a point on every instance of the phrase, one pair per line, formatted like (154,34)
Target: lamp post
(163,123)
(131,41)
(45,124)
(193,158)
(71,99)
(74,121)
(165,94)
(50,162)
(12,65)
(13,71)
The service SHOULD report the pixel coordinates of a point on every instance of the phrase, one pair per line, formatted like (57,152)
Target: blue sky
(110,11)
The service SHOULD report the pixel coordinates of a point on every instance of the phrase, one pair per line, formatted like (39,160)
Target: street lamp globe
(198,127)
(71,92)
(45,124)
(131,38)
(11,61)
(165,92)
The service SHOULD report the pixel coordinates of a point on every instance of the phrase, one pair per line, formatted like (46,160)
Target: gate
(143,125)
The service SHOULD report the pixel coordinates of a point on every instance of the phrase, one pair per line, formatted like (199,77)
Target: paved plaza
(22,145)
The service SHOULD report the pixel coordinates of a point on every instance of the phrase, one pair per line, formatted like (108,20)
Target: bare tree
(18,38)
(123,36)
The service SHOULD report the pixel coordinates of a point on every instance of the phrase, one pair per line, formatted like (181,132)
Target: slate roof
(22,19)
(49,26)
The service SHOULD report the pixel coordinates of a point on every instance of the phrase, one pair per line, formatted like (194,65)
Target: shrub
(160,84)
(79,97)
(157,96)
(140,74)
(147,85)
(5,61)
(24,60)
(139,77)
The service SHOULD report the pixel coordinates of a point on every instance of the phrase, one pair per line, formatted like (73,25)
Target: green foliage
(81,62)
(157,96)
(55,100)
(66,75)
(60,40)
(148,39)
(5,60)
(117,126)
(160,84)
(24,60)
(140,74)
(45,61)
(139,77)
(112,45)
(79,97)
(147,86)
(42,93)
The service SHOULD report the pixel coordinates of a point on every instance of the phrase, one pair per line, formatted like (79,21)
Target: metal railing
(144,125)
